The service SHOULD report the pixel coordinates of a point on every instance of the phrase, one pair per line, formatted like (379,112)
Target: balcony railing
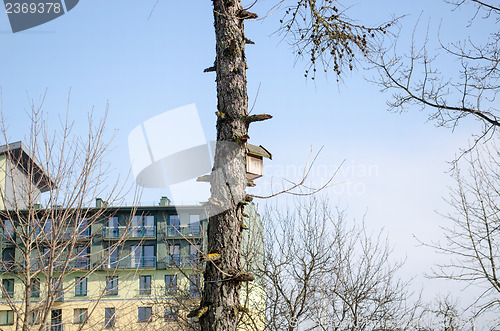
(61,234)
(190,230)
(81,264)
(76,264)
(184,261)
(130,263)
(124,232)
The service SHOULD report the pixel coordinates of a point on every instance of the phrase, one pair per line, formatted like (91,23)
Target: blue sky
(109,51)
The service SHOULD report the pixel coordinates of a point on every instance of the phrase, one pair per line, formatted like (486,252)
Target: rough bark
(228,180)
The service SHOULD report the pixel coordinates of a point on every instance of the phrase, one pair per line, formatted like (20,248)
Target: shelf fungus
(197,313)
(211,257)
(245,15)
(242,277)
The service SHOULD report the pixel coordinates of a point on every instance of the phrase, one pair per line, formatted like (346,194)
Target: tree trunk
(228,180)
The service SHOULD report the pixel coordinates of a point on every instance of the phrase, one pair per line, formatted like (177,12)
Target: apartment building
(105,266)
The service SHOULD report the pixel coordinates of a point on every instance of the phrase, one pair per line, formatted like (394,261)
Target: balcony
(77,264)
(136,232)
(80,264)
(62,234)
(191,230)
(131,263)
(182,261)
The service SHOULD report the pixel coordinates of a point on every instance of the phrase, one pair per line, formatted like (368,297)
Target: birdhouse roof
(258,151)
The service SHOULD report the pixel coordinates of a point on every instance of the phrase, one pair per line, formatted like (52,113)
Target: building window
(112,231)
(174,257)
(7,288)
(8,258)
(145,285)
(80,315)
(80,286)
(111,285)
(171,314)
(113,257)
(8,229)
(35,287)
(170,284)
(83,228)
(175,221)
(6,317)
(109,317)
(36,258)
(47,229)
(174,226)
(56,320)
(195,254)
(113,222)
(35,228)
(143,226)
(82,257)
(143,256)
(57,287)
(194,225)
(47,258)
(145,314)
(194,286)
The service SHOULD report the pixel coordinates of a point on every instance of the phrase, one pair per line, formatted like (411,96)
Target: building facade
(69,267)
(126,268)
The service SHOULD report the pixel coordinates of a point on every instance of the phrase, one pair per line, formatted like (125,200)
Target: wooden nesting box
(255,164)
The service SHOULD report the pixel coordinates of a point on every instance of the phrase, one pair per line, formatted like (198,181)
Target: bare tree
(321,273)
(46,239)
(468,91)
(447,311)
(471,240)
(418,78)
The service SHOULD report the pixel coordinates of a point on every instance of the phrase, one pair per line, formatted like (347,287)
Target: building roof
(21,156)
